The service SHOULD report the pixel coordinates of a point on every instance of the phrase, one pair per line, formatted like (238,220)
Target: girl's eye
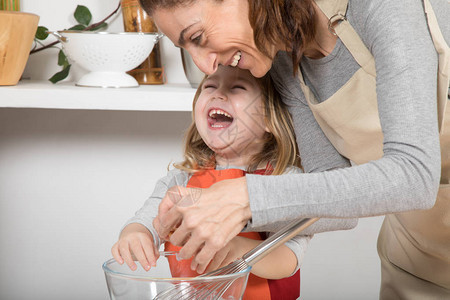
(209,86)
(196,38)
(239,87)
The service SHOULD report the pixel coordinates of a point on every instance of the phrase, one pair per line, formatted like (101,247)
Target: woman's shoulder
(383,8)
(367,15)
(442,10)
(396,28)
(362,12)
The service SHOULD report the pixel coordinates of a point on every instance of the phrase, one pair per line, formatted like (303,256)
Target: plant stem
(104,20)
(85,29)
(44,47)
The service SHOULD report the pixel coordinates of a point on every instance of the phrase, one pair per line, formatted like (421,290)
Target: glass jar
(11,5)
(135,19)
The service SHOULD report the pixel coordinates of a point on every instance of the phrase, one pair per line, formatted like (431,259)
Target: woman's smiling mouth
(218,118)
(236,59)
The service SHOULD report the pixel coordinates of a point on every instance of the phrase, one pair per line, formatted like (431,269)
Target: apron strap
(338,25)
(443,65)
(331,8)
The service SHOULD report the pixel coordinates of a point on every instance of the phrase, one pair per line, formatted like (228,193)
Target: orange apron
(257,287)
(414,247)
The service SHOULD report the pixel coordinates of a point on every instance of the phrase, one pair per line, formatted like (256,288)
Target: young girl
(240,126)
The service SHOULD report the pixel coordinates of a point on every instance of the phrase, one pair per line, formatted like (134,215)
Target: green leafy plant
(84,17)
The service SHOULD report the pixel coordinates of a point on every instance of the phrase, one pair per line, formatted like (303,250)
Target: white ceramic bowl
(107,56)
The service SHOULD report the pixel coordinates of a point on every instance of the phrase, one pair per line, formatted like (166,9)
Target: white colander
(107,56)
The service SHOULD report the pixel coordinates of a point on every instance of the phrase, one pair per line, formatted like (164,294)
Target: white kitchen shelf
(65,95)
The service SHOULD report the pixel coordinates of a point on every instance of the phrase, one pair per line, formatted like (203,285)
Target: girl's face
(229,115)
(214,33)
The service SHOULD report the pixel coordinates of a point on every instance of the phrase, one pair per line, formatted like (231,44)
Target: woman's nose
(205,60)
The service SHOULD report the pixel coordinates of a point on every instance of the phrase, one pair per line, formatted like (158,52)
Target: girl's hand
(207,220)
(135,241)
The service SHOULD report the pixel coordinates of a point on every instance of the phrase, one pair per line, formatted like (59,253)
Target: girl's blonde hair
(280,147)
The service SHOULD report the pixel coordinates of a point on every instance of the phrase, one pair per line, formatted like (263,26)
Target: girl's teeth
(218,112)
(237,57)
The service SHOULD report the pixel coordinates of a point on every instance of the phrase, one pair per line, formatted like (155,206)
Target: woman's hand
(135,241)
(205,220)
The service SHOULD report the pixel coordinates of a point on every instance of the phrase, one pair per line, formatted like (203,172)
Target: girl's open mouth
(218,118)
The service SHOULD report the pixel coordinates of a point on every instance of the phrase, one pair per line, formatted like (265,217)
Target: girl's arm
(147,213)
(136,240)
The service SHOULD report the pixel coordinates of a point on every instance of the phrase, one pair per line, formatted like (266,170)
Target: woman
(365,92)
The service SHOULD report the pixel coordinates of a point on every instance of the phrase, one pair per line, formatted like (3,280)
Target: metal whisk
(214,290)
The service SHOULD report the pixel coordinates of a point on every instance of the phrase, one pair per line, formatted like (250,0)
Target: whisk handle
(279,238)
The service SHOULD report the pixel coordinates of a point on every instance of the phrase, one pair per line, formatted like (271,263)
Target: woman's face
(229,115)
(214,33)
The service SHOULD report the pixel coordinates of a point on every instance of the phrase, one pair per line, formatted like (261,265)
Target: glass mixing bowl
(124,284)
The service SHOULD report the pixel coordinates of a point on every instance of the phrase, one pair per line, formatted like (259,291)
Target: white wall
(343,265)
(70,178)
(68,181)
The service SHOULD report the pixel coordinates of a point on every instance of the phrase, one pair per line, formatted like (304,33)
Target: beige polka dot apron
(414,247)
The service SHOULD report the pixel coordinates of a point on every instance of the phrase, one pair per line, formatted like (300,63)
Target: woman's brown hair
(280,147)
(290,22)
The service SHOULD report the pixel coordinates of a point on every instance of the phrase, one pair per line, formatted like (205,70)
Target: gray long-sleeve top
(407,176)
